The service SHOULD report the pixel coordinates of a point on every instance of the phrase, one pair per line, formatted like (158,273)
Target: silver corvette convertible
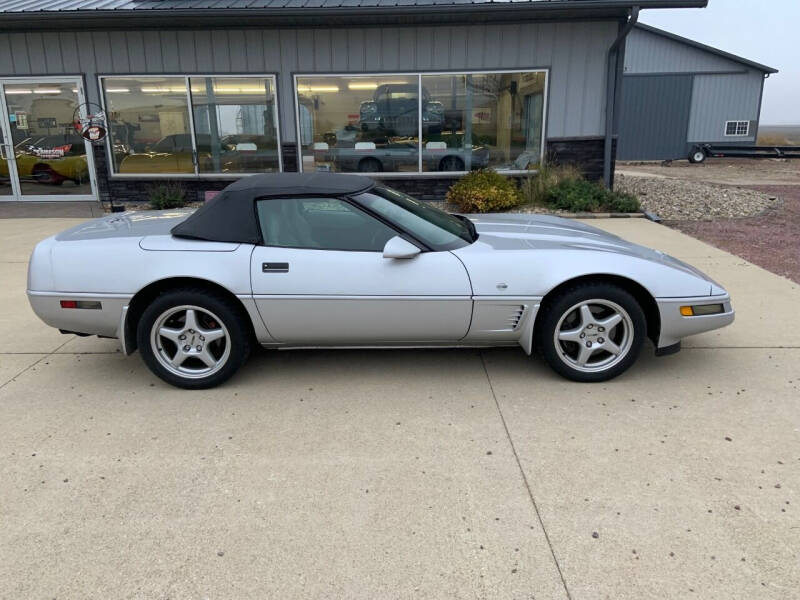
(328,260)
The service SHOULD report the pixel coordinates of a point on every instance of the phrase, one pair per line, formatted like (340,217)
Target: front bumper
(675,327)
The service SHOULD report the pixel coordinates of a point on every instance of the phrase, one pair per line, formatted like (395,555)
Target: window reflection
(468,121)
(49,154)
(149,124)
(489,120)
(235,126)
(363,124)
(234,123)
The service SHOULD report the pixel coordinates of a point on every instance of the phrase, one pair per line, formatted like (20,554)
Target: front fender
(537,272)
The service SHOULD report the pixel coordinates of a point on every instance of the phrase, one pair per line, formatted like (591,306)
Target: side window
(321,224)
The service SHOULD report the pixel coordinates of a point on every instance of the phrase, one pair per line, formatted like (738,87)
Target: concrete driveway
(399,474)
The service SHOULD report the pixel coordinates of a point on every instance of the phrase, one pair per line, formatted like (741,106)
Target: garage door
(654,117)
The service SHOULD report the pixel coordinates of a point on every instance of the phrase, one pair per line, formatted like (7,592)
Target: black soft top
(230,216)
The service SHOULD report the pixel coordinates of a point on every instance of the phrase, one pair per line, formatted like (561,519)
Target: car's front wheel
(193,338)
(591,332)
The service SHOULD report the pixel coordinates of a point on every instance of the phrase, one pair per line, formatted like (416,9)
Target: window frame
(190,107)
(736,128)
(419,74)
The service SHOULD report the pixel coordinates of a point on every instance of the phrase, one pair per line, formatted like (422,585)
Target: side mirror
(397,247)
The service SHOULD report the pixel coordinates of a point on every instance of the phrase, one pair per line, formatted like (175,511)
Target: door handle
(275,267)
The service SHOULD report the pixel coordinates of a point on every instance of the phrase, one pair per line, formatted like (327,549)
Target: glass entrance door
(44,157)
(6,150)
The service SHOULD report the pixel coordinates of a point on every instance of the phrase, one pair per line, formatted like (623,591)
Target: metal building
(416,91)
(678,93)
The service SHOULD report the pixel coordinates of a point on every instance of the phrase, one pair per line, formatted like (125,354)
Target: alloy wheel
(593,335)
(190,341)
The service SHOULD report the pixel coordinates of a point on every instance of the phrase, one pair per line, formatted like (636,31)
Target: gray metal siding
(720,98)
(573,51)
(656,109)
(648,52)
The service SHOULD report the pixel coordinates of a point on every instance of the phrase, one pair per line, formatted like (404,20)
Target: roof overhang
(706,48)
(408,14)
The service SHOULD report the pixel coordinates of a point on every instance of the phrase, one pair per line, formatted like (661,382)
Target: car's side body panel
(120,266)
(342,297)
(109,260)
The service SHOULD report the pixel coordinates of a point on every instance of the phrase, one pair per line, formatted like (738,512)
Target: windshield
(433,227)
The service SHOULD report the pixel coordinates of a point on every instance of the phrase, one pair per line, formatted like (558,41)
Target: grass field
(779,135)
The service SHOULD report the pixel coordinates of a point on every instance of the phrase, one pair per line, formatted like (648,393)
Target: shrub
(623,202)
(484,191)
(536,188)
(166,195)
(580,195)
(575,195)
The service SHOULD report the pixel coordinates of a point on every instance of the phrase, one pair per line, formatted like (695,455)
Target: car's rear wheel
(193,338)
(591,332)
(46,175)
(451,163)
(370,165)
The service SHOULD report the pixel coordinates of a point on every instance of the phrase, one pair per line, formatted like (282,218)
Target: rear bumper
(675,327)
(104,321)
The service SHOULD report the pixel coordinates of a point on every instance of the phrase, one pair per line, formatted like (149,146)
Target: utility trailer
(702,151)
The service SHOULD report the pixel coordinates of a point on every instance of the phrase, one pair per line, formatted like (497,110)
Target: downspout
(614,69)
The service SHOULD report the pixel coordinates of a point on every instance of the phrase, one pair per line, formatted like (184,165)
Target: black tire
(232,319)
(451,163)
(562,355)
(697,155)
(370,165)
(46,175)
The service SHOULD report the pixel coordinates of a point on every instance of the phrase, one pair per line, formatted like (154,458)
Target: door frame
(5,123)
(8,149)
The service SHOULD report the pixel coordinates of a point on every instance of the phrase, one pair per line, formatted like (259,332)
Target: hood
(128,224)
(544,232)
(529,231)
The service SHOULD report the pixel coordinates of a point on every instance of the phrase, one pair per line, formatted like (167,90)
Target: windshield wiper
(470,227)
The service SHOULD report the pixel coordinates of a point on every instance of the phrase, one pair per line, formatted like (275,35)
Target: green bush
(484,191)
(166,195)
(536,188)
(623,202)
(580,195)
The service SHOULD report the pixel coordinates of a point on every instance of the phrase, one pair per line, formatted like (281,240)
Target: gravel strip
(682,200)
(769,240)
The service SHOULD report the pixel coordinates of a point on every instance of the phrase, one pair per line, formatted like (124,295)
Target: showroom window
(192,125)
(421,123)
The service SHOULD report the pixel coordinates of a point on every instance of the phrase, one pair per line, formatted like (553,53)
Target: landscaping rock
(682,200)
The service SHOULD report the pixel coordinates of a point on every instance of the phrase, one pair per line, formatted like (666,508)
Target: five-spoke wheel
(594,335)
(190,341)
(591,332)
(193,338)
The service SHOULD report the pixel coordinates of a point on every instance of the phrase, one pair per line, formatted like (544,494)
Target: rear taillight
(86,304)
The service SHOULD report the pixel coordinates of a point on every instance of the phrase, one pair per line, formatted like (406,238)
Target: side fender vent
(515,316)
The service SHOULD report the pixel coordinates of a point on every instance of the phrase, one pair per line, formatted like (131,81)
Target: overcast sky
(766,31)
